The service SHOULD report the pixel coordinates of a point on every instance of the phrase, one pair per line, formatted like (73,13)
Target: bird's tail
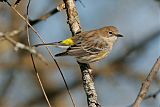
(61,54)
(49,44)
(56,44)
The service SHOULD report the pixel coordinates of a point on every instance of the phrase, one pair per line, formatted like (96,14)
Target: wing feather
(87,44)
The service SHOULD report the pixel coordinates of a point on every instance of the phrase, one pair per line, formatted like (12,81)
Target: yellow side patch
(101,55)
(68,41)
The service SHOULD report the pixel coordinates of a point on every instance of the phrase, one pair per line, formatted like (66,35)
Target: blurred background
(117,78)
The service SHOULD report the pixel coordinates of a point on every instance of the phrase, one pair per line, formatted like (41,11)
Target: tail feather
(61,54)
(52,44)
(56,44)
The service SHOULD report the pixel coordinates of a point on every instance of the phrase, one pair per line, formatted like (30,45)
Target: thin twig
(17,2)
(154,95)
(45,16)
(88,84)
(10,34)
(50,53)
(146,84)
(36,71)
(19,45)
(59,8)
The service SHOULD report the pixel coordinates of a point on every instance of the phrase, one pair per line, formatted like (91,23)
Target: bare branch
(45,16)
(59,8)
(154,95)
(9,34)
(19,45)
(146,84)
(73,19)
(17,2)
(2,0)
(39,36)
(88,84)
(33,62)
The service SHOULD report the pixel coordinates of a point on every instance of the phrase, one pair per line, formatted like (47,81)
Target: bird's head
(111,33)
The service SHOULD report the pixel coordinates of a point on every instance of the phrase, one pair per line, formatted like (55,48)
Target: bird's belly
(92,58)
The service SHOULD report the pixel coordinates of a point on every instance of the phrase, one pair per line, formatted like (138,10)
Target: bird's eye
(110,32)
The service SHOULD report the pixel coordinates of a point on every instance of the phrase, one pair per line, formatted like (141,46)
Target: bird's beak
(119,35)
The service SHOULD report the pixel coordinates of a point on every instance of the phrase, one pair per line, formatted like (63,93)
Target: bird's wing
(85,46)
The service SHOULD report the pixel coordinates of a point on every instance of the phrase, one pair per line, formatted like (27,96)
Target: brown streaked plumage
(89,46)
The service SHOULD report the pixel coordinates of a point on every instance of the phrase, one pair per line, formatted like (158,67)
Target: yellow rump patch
(68,41)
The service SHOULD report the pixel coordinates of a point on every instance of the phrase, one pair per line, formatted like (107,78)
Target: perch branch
(72,15)
(88,84)
(146,84)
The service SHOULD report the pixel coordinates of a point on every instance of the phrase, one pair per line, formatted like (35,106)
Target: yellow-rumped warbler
(89,46)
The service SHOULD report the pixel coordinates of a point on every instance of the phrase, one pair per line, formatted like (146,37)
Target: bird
(88,46)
